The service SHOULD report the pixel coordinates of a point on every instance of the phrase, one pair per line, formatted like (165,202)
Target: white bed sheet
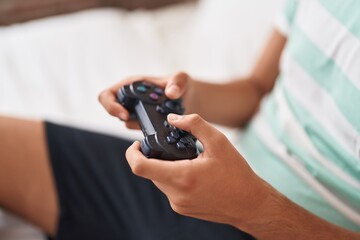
(54,68)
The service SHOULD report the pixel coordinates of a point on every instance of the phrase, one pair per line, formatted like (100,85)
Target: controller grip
(149,147)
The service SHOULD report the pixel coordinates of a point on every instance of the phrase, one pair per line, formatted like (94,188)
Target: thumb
(197,126)
(176,85)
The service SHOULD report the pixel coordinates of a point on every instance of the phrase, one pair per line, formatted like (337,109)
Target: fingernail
(123,116)
(173,90)
(174,117)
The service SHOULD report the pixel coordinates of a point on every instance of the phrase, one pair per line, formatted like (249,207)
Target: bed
(53,68)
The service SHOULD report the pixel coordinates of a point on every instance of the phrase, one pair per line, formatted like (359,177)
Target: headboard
(15,11)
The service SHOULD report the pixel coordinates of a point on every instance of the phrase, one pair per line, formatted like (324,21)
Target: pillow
(14,11)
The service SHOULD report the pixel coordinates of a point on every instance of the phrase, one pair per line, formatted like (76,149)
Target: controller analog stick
(171,106)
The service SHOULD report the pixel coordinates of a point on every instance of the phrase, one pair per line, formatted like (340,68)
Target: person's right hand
(175,87)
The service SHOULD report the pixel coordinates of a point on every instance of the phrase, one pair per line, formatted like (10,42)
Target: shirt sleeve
(285,19)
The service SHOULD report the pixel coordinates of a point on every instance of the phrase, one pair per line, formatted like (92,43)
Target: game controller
(149,105)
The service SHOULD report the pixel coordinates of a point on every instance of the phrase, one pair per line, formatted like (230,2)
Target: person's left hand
(218,185)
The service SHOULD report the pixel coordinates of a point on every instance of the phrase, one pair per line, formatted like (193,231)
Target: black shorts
(101,199)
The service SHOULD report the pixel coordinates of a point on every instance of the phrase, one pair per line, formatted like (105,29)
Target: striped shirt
(305,140)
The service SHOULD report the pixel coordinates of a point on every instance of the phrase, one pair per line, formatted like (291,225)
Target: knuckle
(187,182)
(175,208)
(113,110)
(101,96)
(134,162)
(220,137)
(180,204)
(195,118)
(136,167)
(179,79)
(182,75)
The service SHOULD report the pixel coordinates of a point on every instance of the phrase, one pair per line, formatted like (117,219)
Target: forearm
(230,104)
(279,218)
(234,103)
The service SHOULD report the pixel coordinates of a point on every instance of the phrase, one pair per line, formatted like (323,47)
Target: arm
(283,219)
(234,103)
(230,104)
(220,186)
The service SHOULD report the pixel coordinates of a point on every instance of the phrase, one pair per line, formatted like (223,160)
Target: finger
(197,126)
(132,124)
(156,80)
(176,85)
(108,99)
(154,169)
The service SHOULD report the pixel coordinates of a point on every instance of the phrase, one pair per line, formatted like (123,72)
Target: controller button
(175,134)
(166,124)
(141,89)
(159,91)
(183,133)
(170,140)
(184,141)
(174,106)
(160,109)
(192,137)
(180,146)
(154,96)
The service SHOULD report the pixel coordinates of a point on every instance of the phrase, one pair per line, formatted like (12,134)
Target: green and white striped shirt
(305,140)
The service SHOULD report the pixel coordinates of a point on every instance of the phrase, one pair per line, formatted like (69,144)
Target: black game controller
(148,103)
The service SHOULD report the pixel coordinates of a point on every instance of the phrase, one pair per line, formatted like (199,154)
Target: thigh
(26,183)
(100,198)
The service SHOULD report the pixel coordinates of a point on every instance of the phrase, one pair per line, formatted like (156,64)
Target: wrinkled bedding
(54,68)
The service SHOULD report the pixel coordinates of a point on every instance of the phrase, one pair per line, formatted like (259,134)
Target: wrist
(192,96)
(266,207)
(277,217)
